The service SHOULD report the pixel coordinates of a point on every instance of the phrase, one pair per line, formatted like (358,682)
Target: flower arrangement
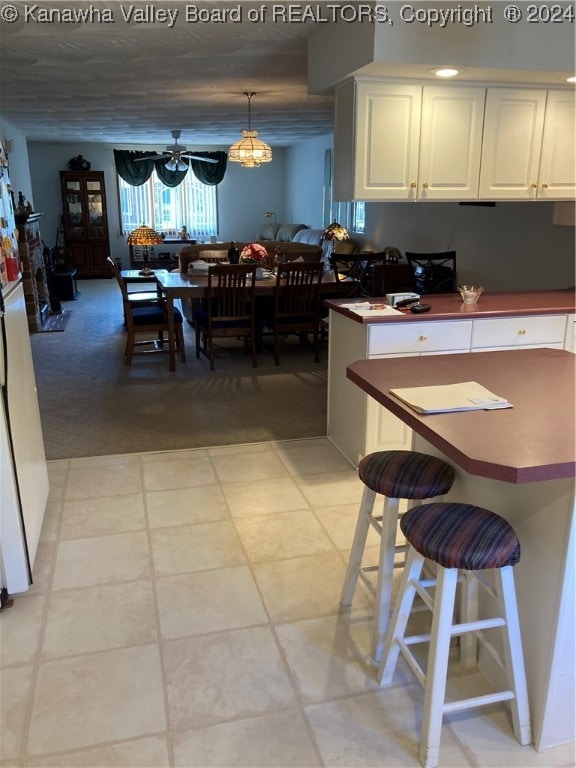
(335,232)
(254,253)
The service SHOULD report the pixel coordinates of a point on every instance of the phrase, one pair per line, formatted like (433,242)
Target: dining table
(176,285)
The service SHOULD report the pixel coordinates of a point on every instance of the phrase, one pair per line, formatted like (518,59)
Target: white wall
(512,246)
(243,196)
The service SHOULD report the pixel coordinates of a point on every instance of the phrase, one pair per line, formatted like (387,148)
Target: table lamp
(145,236)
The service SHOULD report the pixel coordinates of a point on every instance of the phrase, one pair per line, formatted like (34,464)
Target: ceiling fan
(174,154)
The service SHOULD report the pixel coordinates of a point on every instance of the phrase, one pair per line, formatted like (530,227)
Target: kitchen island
(518,462)
(357,424)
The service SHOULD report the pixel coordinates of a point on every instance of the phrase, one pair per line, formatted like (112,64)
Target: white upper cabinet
(557,176)
(407,142)
(528,147)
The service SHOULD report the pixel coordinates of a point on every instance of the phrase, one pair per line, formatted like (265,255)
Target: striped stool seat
(465,541)
(396,475)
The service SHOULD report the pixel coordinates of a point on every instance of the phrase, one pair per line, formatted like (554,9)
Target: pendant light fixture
(250,151)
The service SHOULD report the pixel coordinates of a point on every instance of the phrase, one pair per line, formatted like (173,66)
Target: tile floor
(185,613)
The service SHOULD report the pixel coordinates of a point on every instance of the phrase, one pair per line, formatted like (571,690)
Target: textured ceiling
(130,82)
(131,72)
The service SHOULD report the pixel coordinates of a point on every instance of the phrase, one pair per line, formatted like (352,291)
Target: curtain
(136,168)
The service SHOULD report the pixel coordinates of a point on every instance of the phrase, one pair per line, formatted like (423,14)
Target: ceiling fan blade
(202,159)
(153,157)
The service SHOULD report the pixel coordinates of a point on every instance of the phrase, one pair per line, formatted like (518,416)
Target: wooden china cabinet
(85,221)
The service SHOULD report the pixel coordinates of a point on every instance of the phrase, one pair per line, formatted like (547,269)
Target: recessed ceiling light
(446,72)
(571,79)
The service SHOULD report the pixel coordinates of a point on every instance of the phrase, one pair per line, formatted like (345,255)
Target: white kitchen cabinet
(519,332)
(407,142)
(528,145)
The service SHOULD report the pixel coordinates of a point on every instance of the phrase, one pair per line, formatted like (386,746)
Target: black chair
(354,273)
(433,272)
(296,308)
(228,310)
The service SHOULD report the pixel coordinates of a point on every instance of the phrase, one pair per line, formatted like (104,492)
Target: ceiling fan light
(176,165)
(250,151)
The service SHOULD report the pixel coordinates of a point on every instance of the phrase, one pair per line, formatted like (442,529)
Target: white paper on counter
(465,396)
(365,309)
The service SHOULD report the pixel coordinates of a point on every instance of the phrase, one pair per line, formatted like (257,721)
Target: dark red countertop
(533,441)
(449,306)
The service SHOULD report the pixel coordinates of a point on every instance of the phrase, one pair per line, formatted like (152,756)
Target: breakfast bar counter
(357,424)
(518,462)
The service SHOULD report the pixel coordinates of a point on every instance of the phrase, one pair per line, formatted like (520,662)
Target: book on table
(445,398)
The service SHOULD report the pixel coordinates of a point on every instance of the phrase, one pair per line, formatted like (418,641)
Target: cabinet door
(557,176)
(513,125)
(74,214)
(387,138)
(450,143)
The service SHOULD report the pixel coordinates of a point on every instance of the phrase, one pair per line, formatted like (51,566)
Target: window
(167,209)
(349,214)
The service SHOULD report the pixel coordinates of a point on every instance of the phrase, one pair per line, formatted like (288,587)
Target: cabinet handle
(544,185)
(412,185)
(422,338)
(534,185)
(425,185)
(522,332)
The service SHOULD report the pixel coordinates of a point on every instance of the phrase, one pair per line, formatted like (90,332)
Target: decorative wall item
(79,163)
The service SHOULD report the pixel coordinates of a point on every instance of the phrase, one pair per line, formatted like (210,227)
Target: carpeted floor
(92,404)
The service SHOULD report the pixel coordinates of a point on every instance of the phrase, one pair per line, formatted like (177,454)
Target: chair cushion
(153,316)
(406,474)
(459,535)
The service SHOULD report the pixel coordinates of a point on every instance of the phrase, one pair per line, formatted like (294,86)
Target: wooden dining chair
(228,309)
(146,313)
(433,272)
(296,306)
(354,273)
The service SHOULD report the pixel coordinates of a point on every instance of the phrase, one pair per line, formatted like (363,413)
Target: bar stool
(458,537)
(396,475)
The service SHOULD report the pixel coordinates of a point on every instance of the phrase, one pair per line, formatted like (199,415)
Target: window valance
(137,173)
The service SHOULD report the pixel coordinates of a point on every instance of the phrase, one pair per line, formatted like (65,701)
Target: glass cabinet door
(74,209)
(95,209)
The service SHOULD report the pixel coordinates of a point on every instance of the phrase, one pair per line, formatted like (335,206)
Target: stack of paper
(366,309)
(466,396)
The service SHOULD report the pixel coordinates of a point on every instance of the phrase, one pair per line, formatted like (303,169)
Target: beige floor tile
(279,740)
(187,548)
(340,523)
(306,442)
(51,521)
(99,517)
(230,450)
(328,489)
(186,505)
(20,630)
(57,483)
(302,588)
(330,657)
(225,676)
(171,473)
(311,459)
(42,567)
(15,686)
(376,730)
(100,618)
(264,497)
(282,536)
(140,753)
(246,466)
(208,601)
(96,482)
(185,455)
(101,560)
(111,460)
(100,697)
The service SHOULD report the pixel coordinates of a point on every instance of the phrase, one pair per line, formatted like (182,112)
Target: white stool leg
(358,545)
(469,613)
(513,654)
(385,575)
(435,688)
(400,616)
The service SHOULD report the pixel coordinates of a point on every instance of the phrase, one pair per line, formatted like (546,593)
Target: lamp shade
(250,151)
(144,236)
